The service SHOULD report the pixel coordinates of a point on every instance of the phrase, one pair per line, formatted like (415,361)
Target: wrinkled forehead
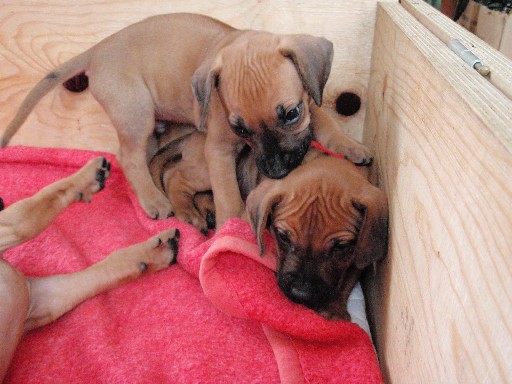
(318,204)
(316,217)
(257,75)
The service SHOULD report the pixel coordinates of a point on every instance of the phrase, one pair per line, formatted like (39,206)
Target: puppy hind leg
(182,198)
(27,218)
(182,183)
(134,120)
(13,312)
(53,296)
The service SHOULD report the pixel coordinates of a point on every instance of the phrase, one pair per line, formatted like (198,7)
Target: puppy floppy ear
(204,80)
(259,205)
(312,57)
(372,242)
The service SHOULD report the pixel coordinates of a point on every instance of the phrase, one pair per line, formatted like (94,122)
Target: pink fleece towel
(215,317)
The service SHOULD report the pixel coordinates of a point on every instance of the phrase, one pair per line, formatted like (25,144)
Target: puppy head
(265,84)
(327,224)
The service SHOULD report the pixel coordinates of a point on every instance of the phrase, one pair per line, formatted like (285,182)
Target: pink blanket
(215,317)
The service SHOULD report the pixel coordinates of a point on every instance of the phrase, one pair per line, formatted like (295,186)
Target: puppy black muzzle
(275,162)
(313,293)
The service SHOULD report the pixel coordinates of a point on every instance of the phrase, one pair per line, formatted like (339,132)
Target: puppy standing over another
(329,222)
(29,303)
(240,86)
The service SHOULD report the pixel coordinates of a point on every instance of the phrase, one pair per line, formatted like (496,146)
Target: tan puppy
(28,303)
(241,86)
(329,222)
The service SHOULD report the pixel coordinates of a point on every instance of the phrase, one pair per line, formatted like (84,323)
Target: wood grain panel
(445,30)
(36,36)
(442,301)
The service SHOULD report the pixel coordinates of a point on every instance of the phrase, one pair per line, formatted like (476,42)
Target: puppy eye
(283,236)
(241,131)
(340,246)
(293,115)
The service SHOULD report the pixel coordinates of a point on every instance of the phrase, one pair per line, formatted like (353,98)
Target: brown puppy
(329,222)
(241,86)
(28,303)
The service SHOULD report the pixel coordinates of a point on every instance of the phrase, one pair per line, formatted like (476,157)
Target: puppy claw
(173,245)
(105,164)
(360,155)
(366,162)
(100,175)
(90,179)
(151,258)
(2,205)
(164,212)
(210,220)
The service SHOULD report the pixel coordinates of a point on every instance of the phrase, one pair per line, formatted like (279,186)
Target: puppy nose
(301,292)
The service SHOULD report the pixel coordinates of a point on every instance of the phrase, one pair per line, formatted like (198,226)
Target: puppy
(329,222)
(28,303)
(240,86)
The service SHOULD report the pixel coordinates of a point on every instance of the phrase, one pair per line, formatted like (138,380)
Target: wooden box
(440,305)
(493,27)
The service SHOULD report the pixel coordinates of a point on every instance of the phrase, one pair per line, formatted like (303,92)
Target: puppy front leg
(53,296)
(129,104)
(27,218)
(337,309)
(328,133)
(226,193)
(132,157)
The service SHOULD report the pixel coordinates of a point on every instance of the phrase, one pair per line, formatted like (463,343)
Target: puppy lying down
(328,221)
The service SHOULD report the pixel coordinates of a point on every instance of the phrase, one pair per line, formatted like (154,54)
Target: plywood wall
(442,301)
(36,36)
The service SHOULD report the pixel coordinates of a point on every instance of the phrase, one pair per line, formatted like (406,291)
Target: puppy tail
(66,71)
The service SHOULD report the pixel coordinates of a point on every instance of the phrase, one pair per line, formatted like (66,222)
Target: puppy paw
(154,254)
(359,155)
(194,218)
(335,314)
(204,204)
(158,207)
(91,178)
(160,251)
